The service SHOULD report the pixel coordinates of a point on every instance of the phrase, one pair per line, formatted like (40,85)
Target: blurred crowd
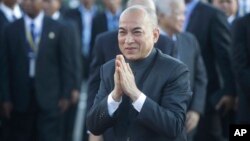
(49,49)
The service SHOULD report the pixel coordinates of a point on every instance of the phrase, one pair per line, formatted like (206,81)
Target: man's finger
(218,106)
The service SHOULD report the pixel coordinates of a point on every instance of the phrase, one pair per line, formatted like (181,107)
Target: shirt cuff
(139,102)
(112,105)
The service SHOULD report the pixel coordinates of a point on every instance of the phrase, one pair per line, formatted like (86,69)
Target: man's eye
(121,32)
(137,32)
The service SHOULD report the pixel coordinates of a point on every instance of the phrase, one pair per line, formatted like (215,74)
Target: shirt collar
(110,15)
(38,21)
(162,32)
(83,10)
(56,15)
(230,19)
(8,12)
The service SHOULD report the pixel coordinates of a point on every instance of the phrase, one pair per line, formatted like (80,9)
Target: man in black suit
(210,27)
(9,12)
(241,58)
(230,7)
(51,8)
(146,96)
(38,75)
(171,18)
(106,48)
(83,18)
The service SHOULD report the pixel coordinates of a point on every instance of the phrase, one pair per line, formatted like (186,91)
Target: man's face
(228,6)
(112,4)
(10,2)
(175,19)
(136,35)
(51,6)
(32,7)
(88,3)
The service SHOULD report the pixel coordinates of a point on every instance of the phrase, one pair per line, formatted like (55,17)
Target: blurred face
(32,7)
(51,6)
(88,3)
(10,3)
(112,5)
(136,35)
(175,19)
(228,6)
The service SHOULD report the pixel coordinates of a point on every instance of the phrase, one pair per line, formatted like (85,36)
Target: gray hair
(166,6)
(147,3)
(150,13)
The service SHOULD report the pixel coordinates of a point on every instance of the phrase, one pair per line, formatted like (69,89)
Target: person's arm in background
(197,104)
(4,74)
(221,43)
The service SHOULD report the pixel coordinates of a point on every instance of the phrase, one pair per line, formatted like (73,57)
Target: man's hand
(95,138)
(192,120)
(63,104)
(117,92)
(75,96)
(7,108)
(127,79)
(227,103)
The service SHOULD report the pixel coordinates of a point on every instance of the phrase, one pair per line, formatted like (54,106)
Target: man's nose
(129,38)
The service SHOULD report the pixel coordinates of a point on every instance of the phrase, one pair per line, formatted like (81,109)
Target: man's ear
(156,34)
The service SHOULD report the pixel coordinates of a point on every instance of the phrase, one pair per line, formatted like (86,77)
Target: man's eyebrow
(121,28)
(136,28)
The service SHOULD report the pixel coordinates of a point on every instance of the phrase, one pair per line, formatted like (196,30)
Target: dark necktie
(32,32)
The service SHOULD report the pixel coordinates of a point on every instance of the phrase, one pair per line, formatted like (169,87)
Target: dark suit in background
(189,53)
(100,24)
(241,62)
(106,48)
(76,16)
(3,22)
(74,42)
(162,116)
(35,100)
(210,27)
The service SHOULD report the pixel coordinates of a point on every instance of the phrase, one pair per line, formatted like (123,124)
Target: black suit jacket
(74,42)
(75,15)
(210,27)
(106,48)
(241,61)
(162,116)
(99,25)
(3,22)
(189,53)
(53,72)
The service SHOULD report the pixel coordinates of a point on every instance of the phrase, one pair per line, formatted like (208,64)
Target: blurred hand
(117,92)
(75,96)
(95,138)
(192,120)
(7,108)
(227,103)
(63,104)
(236,104)
(127,79)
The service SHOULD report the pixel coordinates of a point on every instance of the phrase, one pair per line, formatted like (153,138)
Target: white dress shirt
(9,13)
(113,105)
